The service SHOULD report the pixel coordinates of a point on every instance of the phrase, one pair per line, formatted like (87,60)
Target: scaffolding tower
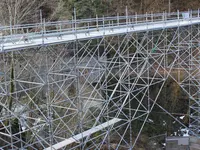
(89,93)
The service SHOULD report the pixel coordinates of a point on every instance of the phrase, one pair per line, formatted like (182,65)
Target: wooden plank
(83,134)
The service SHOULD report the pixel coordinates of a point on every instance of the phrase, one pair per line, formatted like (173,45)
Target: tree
(87,8)
(27,11)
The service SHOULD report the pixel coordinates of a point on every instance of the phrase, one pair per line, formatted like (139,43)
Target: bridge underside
(105,85)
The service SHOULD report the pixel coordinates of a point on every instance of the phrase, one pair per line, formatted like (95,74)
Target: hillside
(86,8)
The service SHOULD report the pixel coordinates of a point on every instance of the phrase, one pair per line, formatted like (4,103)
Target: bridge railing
(27,32)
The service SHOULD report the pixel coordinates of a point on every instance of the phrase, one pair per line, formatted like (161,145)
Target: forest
(26,11)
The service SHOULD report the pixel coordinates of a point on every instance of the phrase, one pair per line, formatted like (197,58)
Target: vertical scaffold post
(97,23)
(189,13)
(126,16)
(169,5)
(88,27)
(151,16)
(163,16)
(178,14)
(164,19)
(72,24)
(103,25)
(117,19)
(146,17)
(44,29)
(44,24)
(146,20)
(112,25)
(60,27)
(75,25)
(2,39)
(41,21)
(11,29)
(136,17)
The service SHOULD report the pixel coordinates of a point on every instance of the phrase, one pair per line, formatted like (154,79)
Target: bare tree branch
(26,11)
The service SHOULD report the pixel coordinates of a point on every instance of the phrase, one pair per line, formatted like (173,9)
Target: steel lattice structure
(89,93)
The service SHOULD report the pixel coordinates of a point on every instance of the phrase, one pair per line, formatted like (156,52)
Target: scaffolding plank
(83,134)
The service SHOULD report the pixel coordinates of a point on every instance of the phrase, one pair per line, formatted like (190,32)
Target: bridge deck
(16,42)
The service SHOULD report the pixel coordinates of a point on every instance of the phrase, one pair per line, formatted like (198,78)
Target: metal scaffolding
(84,84)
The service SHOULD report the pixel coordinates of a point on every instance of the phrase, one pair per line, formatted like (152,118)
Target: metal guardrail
(27,32)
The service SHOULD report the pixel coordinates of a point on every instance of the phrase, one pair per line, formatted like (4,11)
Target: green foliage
(173,99)
(87,8)
(72,91)
(15,126)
